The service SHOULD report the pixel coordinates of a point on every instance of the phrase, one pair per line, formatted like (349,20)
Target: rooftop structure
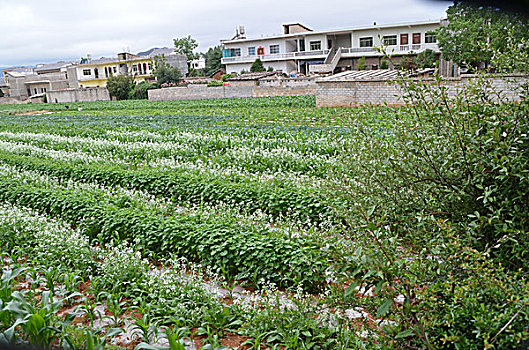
(302,50)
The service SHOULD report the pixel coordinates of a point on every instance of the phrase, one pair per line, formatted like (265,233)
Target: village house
(95,72)
(301,50)
(28,82)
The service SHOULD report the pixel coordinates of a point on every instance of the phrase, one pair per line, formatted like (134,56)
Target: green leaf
(384,308)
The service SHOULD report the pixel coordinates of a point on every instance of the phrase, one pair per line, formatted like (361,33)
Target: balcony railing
(402,49)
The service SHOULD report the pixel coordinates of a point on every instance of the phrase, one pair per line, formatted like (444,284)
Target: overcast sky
(34,32)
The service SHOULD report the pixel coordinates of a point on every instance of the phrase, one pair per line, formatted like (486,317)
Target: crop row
(277,199)
(251,253)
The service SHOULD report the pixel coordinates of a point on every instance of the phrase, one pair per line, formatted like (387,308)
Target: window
(315,45)
(231,52)
(404,39)
(274,49)
(87,72)
(366,42)
(430,38)
(115,70)
(251,51)
(390,40)
(416,38)
(301,45)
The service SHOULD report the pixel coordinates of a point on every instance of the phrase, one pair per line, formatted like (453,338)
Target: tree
(185,46)
(120,86)
(164,72)
(213,60)
(474,32)
(514,58)
(361,63)
(426,59)
(257,66)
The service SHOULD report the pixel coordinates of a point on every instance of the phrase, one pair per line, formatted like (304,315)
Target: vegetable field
(251,223)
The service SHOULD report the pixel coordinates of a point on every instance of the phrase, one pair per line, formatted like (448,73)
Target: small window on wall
(251,51)
(87,72)
(237,52)
(274,49)
(430,38)
(416,38)
(404,39)
(315,45)
(260,51)
(366,42)
(390,40)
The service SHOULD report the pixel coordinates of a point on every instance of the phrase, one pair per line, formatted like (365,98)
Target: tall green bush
(120,86)
(257,66)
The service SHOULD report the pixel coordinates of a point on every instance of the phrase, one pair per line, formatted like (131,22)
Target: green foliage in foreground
(450,186)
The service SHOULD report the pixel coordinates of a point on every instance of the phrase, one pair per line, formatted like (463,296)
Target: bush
(140,91)
(426,59)
(164,72)
(120,86)
(361,63)
(384,64)
(257,66)
(446,182)
(225,77)
(215,83)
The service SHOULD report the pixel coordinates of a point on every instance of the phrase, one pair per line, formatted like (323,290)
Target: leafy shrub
(140,91)
(257,66)
(215,83)
(384,64)
(225,77)
(120,86)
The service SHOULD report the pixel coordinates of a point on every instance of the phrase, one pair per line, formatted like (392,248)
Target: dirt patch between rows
(34,112)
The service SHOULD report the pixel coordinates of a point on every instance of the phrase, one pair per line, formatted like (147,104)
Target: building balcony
(348,52)
(276,57)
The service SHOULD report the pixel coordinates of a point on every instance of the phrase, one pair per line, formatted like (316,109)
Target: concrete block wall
(199,92)
(351,93)
(78,95)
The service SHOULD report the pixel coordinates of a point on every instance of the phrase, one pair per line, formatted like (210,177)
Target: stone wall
(331,93)
(78,95)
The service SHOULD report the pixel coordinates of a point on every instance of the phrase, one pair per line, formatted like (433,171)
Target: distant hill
(148,52)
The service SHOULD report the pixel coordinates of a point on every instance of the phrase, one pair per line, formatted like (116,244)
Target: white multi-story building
(302,50)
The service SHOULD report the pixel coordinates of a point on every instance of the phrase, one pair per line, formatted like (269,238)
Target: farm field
(252,223)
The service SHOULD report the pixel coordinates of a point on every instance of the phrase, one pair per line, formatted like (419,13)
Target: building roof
(52,66)
(335,31)
(364,75)
(251,76)
(162,51)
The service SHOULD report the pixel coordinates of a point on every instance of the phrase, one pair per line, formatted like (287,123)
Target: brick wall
(349,93)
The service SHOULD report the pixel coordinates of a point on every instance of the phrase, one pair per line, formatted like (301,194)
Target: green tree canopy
(426,59)
(186,46)
(257,66)
(474,32)
(120,86)
(213,60)
(164,72)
